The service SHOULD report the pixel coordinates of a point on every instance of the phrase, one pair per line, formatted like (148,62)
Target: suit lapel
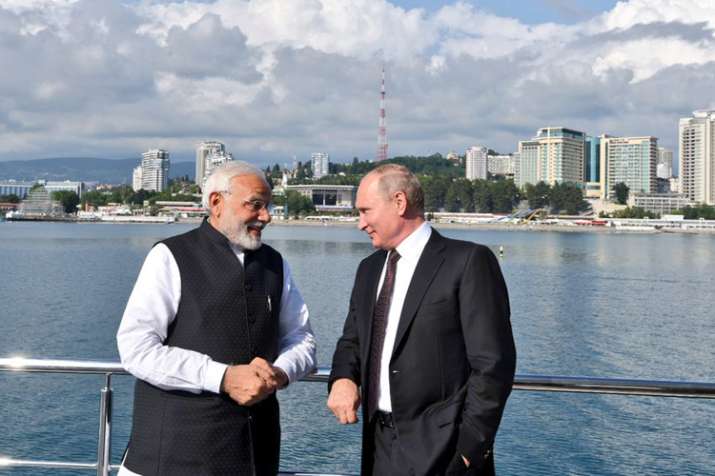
(426,269)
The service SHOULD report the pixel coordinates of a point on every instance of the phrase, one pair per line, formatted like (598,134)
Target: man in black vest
(213,327)
(427,345)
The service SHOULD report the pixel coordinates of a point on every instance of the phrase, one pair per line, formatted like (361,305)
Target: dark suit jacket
(453,362)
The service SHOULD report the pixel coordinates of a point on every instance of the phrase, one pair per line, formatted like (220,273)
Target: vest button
(248,286)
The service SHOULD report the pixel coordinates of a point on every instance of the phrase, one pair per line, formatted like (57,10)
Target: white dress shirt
(152,307)
(410,250)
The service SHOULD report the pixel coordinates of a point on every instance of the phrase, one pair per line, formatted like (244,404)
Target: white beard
(237,233)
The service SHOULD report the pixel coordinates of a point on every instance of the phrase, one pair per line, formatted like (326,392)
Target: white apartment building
(664,167)
(697,157)
(204,150)
(501,165)
(214,160)
(14,187)
(137,178)
(476,163)
(629,160)
(319,161)
(155,170)
(66,185)
(555,154)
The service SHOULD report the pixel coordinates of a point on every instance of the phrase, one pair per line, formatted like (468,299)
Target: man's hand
(344,400)
(271,374)
(249,384)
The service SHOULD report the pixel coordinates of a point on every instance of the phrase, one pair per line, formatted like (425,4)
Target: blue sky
(528,11)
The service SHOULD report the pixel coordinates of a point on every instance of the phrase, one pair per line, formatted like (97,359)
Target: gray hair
(220,178)
(398,178)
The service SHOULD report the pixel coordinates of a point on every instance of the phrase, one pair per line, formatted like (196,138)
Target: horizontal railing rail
(540,383)
(535,383)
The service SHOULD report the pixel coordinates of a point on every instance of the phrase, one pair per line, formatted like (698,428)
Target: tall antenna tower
(381,129)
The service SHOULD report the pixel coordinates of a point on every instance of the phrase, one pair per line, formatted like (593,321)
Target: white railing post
(104,443)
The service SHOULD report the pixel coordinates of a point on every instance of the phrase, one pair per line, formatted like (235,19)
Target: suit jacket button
(395,372)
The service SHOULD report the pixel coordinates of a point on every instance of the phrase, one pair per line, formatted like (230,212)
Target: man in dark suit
(427,345)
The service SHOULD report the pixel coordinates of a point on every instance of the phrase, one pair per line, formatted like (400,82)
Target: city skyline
(119,78)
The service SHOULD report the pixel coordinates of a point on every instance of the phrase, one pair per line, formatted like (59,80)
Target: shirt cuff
(214,376)
(286,366)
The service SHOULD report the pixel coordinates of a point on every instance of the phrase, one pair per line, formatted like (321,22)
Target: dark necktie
(379,327)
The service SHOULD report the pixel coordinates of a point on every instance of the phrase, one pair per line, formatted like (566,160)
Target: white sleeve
(150,310)
(297,342)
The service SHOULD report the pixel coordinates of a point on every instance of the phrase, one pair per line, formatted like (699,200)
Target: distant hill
(85,169)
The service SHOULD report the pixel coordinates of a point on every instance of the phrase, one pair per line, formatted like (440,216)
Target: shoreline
(513,227)
(531,227)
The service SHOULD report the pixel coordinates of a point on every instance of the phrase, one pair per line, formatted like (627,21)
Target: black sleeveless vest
(229,312)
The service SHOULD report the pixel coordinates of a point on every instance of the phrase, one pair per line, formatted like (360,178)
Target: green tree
(621,190)
(435,190)
(298,205)
(634,212)
(567,197)
(95,198)
(483,198)
(459,196)
(537,195)
(505,196)
(705,212)
(68,199)
(12,198)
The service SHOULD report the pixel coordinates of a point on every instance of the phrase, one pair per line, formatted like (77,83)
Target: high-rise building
(213,160)
(697,157)
(155,170)
(592,159)
(203,150)
(629,160)
(137,178)
(664,167)
(320,161)
(555,154)
(501,165)
(476,162)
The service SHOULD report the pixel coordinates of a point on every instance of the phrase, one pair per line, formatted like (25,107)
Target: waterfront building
(629,160)
(212,161)
(203,150)
(328,197)
(664,164)
(502,165)
(137,178)
(675,185)
(592,190)
(320,162)
(39,203)
(15,187)
(555,154)
(592,159)
(67,185)
(155,170)
(697,157)
(661,203)
(476,162)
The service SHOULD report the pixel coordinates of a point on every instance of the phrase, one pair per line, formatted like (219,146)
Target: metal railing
(540,383)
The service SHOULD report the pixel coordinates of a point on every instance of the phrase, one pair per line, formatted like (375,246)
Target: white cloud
(275,78)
